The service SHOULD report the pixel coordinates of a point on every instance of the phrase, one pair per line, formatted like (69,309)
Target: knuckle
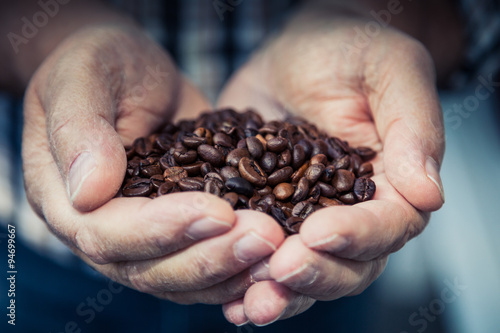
(87,243)
(137,279)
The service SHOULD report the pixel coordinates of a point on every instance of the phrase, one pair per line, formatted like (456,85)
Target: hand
(383,97)
(102,87)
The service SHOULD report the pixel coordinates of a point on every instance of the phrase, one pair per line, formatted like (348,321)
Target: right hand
(100,89)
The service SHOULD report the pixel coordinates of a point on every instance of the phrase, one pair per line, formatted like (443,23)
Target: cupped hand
(102,87)
(381,95)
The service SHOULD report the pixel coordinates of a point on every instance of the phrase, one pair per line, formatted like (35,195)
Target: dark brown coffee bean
(365,170)
(278,215)
(364,189)
(298,156)
(255,147)
(268,129)
(348,198)
(190,184)
(319,159)
(193,142)
(129,152)
(365,153)
(232,198)
(284,159)
(255,203)
(314,194)
(139,187)
(243,200)
(343,163)
(211,155)
(143,147)
(283,191)
(319,147)
(327,202)
(229,172)
(314,172)
(307,146)
(252,172)
(204,133)
(193,169)
(301,191)
(186,157)
(279,176)
(206,168)
(240,185)
(223,140)
(213,186)
(151,170)
(355,163)
(241,144)
(298,174)
(303,209)
(277,144)
(343,180)
(213,175)
(269,199)
(327,190)
(174,174)
(328,173)
(157,181)
(292,224)
(264,191)
(166,188)
(234,157)
(286,207)
(268,161)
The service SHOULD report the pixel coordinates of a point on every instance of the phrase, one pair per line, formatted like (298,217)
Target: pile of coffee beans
(287,169)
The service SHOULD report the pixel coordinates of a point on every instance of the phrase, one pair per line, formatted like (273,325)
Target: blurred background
(445,280)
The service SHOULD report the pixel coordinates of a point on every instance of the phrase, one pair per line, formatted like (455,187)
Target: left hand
(385,98)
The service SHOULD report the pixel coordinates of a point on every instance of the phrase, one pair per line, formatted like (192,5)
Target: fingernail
(303,276)
(432,169)
(333,243)
(80,169)
(243,324)
(207,227)
(260,271)
(272,320)
(252,247)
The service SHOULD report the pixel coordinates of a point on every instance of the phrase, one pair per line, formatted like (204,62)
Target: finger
(366,230)
(320,275)
(407,113)
(268,301)
(205,263)
(235,312)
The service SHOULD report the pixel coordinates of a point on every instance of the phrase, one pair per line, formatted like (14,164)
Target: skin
(82,104)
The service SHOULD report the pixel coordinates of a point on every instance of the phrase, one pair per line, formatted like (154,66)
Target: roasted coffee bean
(279,176)
(190,184)
(284,159)
(355,163)
(256,203)
(166,188)
(240,185)
(303,209)
(283,191)
(298,174)
(365,153)
(343,163)
(327,190)
(232,198)
(301,191)
(243,200)
(255,147)
(292,224)
(241,144)
(278,215)
(328,173)
(142,147)
(298,156)
(213,186)
(250,132)
(140,187)
(206,168)
(204,133)
(286,207)
(157,181)
(234,157)
(264,191)
(229,172)
(327,202)
(307,146)
(174,174)
(314,194)
(365,170)
(343,180)
(213,175)
(252,172)
(211,155)
(277,144)
(364,189)
(129,152)
(314,172)
(193,142)
(186,157)
(319,159)
(268,161)
(193,169)
(151,170)
(319,147)
(348,198)
(222,139)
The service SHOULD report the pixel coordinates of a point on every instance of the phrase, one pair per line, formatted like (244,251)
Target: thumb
(409,121)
